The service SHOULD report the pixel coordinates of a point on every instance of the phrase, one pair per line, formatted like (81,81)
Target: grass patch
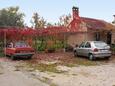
(42,67)
(45,67)
(53,84)
(79,61)
(33,65)
(85,62)
(70,65)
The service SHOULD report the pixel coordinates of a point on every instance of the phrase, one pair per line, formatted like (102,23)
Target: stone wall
(113,38)
(78,38)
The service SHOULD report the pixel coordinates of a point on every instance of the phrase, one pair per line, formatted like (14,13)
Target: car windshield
(21,44)
(100,44)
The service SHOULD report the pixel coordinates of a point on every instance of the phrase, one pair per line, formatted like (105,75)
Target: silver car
(93,49)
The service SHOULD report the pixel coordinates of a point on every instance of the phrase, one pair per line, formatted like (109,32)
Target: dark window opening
(109,35)
(87,45)
(97,36)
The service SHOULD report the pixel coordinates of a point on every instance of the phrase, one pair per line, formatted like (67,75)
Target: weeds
(44,67)
(85,62)
(1,54)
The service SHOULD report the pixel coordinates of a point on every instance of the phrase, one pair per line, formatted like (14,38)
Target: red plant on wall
(15,34)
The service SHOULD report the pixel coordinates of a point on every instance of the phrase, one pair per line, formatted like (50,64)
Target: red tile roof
(90,23)
(97,24)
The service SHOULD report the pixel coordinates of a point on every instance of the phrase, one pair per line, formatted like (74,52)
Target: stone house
(84,29)
(78,30)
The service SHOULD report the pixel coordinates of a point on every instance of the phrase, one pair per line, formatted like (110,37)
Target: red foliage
(28,33)
(15,33)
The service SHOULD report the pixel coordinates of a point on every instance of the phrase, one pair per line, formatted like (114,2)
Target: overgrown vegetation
(12,17)
(78,62)
(1,50)
(85,62)
(44,67)
(50,43)
(52,67)
(113,48)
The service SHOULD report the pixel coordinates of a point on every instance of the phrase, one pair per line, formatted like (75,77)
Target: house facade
(78,30)
(89,29)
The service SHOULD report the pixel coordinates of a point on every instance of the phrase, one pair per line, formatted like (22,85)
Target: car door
(87,49)
(80,50)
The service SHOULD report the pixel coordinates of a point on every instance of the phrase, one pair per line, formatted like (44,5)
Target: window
(9,45)
(87,45)
(100,44)
(21,44)
(82,45)
(97,36)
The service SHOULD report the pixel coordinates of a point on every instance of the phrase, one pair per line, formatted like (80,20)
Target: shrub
(113,47)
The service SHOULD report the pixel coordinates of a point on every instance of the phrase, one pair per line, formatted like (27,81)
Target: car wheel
(107,58)
(91,57)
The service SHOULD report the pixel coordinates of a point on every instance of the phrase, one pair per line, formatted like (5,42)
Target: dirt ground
(9,76)
(57,69)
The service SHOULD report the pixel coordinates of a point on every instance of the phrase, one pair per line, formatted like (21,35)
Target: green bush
(1,54)
(41,44)
(113,47)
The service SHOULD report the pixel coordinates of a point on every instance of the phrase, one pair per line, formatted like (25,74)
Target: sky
(51,10)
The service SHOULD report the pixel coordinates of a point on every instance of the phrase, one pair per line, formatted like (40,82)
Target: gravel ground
(80,75)
(9,76)
(102,74)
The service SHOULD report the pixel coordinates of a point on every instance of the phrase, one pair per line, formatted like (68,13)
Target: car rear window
(100,44)
(21,44)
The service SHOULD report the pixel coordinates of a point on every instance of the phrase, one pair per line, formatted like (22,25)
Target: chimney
(75,12)
(114,19)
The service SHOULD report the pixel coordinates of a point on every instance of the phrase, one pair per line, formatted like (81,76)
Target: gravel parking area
(69,71)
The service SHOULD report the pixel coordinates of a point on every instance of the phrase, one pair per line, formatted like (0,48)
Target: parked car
(19,49)
(93,50)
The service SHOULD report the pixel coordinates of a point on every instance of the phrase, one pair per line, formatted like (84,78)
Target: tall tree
(64,20)
(37,21)
(49,24)
(11,17)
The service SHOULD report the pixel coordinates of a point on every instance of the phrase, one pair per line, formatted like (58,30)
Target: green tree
(11,17)
(37,21)
(64,20)
(49,24)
